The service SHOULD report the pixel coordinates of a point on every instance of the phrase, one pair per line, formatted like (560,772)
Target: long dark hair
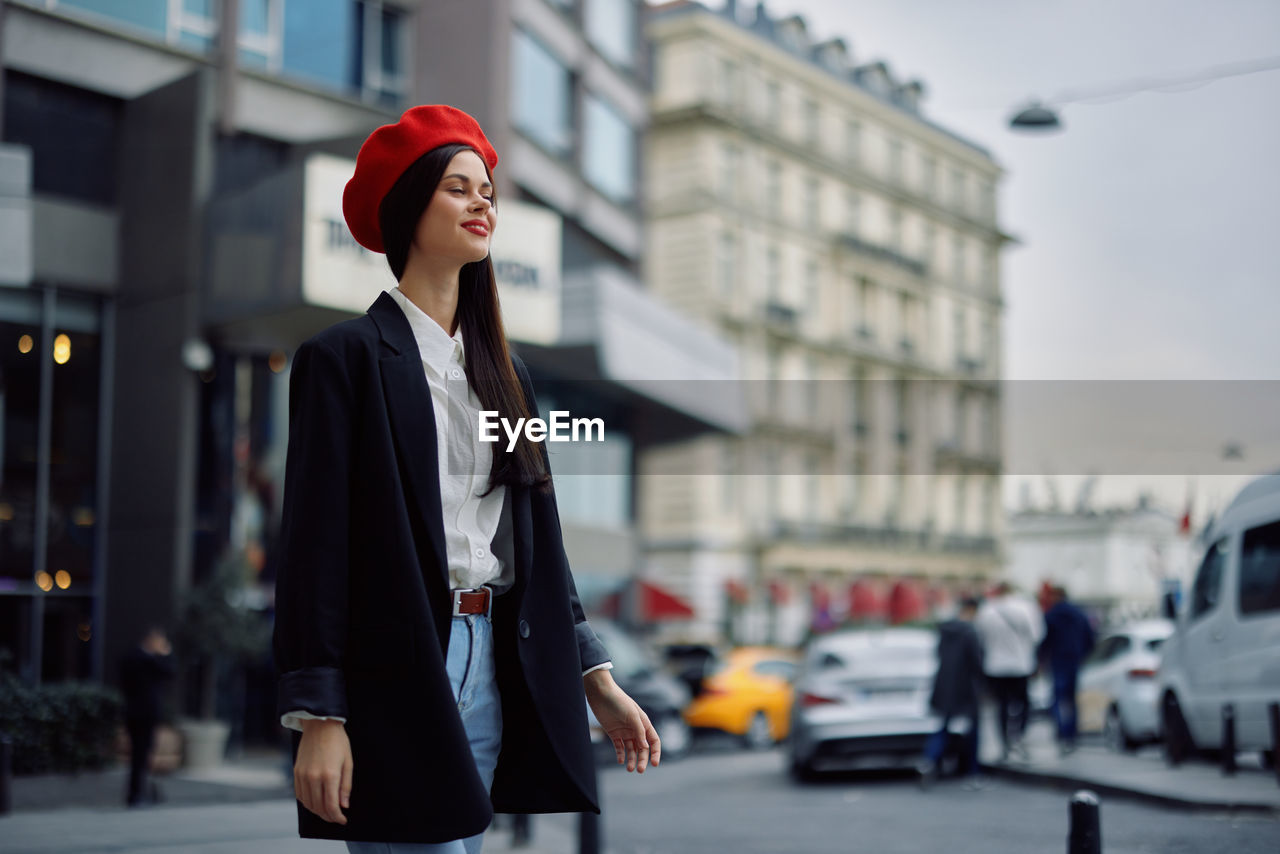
(489,369)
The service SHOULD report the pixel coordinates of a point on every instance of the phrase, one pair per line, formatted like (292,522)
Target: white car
(862,700)
(1117,691)
(1225,651)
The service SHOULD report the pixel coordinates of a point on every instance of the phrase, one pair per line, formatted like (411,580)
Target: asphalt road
(744,803)
(711,803)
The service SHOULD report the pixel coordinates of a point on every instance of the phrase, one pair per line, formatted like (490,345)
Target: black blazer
(363,609)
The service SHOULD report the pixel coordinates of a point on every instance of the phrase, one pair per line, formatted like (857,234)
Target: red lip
(476,222)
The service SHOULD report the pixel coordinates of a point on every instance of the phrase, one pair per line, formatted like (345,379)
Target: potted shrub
(217,629)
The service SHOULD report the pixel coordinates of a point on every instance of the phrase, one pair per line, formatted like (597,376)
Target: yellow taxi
(748,694)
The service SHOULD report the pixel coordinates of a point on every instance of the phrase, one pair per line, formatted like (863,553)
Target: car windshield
(1155,643)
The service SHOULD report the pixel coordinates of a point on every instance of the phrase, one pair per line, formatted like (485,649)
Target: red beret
(391,149)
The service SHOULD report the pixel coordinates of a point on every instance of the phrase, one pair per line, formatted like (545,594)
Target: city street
(711,802)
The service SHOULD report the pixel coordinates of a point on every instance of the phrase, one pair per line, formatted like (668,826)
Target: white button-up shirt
(470,516)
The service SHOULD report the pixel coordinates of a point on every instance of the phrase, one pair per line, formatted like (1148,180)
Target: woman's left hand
(634,739)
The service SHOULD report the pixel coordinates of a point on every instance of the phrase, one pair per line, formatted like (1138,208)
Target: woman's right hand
(322,771)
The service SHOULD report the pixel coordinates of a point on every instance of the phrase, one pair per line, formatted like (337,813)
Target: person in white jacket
(1011,627)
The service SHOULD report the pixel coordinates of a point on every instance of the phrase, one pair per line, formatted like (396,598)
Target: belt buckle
(457,600)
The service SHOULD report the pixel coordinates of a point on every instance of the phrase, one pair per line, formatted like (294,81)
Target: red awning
(906,602)
(657,603)
(865,600)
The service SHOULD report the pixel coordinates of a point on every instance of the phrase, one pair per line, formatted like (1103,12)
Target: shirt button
(479,552)
(524,628)
(456,373)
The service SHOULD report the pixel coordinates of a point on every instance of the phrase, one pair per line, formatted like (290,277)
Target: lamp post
(1041,117)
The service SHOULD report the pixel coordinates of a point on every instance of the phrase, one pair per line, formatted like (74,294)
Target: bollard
(1086,824)
(6,773)
(521,830)
(1229,740)
(588,833)
(1274,711)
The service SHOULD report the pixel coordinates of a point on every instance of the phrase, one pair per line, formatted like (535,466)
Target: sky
(1148,246)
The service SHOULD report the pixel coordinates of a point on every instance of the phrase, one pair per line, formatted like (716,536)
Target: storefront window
(20,345)
(50,368)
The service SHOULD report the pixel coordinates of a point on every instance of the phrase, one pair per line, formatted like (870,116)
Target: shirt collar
(437,347)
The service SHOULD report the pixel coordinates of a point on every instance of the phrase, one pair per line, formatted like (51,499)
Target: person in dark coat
(1068,640)
(144,671)
(433,654)
(955,692)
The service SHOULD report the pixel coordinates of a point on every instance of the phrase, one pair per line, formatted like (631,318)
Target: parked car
(1225,649)
(1117,691)
(662,696)
(862,700)
(748,695)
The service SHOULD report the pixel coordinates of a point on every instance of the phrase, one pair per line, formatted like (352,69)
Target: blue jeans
(1064,703)
(475,688)
(937,743)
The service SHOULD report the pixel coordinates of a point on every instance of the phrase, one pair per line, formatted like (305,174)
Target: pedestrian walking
(1068,640)
(1010,626)
(955,693)
(144,671)
(432,650)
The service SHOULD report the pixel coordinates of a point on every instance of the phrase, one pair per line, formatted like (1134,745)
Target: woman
(432,650)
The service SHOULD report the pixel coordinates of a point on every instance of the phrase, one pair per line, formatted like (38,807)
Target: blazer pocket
(382,649)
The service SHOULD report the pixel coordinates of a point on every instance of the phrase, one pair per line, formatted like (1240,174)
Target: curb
(1069,782)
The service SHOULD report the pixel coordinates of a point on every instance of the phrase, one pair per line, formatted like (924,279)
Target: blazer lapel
(413,428)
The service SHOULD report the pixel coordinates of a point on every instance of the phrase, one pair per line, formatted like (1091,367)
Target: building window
(727,83)
(727,264)
(811,122)
(542,91)
(773,102)
(895,229)
(609,149)
(773,274)
(150,16)
(867,308)
(930,243)
(380,52)
(929,177)
(961,330)
(853,213)
(729,167)
(961,488)
(853,141)
(811,202)
(610,26)
(260,39)
(320,44)
(895,161)
(74,132)
(813,289)
(773,188)
(957,259)
(957,190)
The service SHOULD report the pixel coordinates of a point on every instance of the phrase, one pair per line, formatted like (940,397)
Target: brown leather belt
(477,601)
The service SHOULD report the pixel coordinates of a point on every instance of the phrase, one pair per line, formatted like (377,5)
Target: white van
(1226,647)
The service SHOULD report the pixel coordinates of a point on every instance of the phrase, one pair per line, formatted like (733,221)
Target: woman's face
(459,220)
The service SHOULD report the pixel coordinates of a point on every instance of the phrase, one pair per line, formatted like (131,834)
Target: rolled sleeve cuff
(294,719)
(318,691)
(591,653)
(608,665)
